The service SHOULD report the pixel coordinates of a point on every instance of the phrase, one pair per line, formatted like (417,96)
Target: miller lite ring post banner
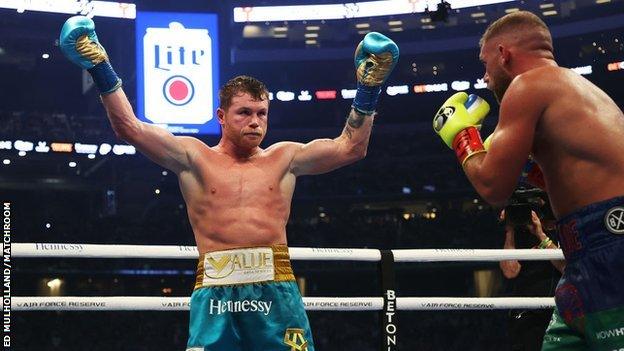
(177,71)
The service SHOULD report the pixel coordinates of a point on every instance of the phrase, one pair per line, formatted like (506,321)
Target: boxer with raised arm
(238,194)
(575,133)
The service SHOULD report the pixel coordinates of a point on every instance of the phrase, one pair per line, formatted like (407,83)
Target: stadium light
(347,10)
(73,7)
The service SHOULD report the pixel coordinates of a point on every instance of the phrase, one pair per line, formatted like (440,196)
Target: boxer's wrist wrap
(545,243)
(366,98)
(467,143)
(105,78)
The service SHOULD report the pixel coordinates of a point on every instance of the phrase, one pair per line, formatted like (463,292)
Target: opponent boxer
(575,133)
(238,194)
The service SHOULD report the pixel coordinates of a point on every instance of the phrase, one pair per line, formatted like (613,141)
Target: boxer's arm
(375,58)
(495,174)
(324,155)
(79,43)
(157,143)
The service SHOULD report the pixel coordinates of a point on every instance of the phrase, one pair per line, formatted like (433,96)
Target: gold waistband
(281,266)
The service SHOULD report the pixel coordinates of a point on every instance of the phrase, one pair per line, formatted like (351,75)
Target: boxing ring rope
(157,303)
(386,305)
(34,250)
(153,303)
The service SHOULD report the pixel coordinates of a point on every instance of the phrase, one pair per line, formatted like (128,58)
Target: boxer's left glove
(80,45)
(458,122)
(375,57)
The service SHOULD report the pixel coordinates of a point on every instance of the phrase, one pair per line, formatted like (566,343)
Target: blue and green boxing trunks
(246,300)
(590,295)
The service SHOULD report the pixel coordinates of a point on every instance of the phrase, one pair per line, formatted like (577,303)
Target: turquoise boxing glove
(375,57)
(80,45)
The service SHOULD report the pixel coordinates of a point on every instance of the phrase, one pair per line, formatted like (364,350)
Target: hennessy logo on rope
(294,338)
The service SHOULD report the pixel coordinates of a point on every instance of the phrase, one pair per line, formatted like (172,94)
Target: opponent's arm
(79,43)
(375,57)
(531,172)
(495,173)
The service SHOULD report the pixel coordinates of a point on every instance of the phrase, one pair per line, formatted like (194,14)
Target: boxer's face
(245,121)
(496,77)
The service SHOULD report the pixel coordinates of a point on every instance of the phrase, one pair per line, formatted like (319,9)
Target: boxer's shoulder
(541,80)
(195,148)
(538,77)
(535,88)
(283,148)
(192,142)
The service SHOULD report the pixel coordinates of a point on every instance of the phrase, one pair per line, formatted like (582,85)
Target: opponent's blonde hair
(524,26)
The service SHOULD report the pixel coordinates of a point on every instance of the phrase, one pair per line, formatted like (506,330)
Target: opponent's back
(579,141)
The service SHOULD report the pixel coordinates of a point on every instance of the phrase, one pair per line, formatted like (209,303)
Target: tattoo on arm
(355,119)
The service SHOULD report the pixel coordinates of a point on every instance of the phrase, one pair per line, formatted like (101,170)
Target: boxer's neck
(235,151)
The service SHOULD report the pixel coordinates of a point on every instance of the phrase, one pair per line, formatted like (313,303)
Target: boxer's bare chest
(252,182)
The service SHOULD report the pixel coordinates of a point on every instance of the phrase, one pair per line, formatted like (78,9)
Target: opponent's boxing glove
(458,122)
(80,45)
(375,57)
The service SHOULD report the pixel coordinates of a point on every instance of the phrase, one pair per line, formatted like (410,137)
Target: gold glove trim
(222,260)
(470,155)
(374,70)
(91,50)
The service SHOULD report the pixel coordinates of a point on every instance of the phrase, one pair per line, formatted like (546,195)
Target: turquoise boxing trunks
(590,295)
(247,300)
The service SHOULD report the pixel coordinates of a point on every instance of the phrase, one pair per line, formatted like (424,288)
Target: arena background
(408,192)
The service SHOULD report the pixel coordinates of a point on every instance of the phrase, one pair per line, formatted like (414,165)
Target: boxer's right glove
(80,45)
(458,122)
(375,57)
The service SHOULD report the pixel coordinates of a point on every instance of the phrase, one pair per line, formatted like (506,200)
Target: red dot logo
(178,90)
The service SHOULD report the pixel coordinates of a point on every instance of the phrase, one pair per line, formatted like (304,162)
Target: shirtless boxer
(575,133)
(238,195)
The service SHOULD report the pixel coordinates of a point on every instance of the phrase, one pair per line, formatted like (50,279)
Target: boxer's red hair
(242,84)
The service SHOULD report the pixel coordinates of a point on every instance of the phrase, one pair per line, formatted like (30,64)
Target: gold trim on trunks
(228,266)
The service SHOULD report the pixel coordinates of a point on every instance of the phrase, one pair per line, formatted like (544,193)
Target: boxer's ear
(221,116)
(505,54)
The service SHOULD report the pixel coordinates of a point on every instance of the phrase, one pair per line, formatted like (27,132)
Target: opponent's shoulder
(539,80)
(536,87)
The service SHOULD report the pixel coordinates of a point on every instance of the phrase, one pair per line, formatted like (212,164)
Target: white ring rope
(463,255)
(153,303)
(296,253)
(156,303)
